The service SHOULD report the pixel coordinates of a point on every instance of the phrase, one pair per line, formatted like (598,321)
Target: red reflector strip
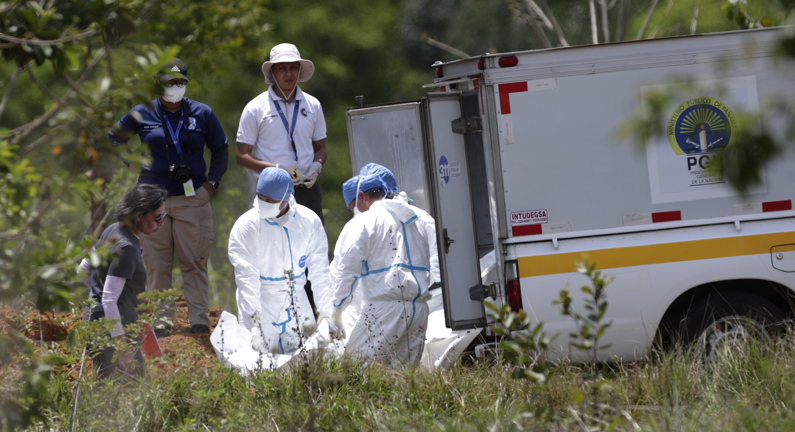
(514,295)
(524,230)
(505,90)
(666,216)
(776,206)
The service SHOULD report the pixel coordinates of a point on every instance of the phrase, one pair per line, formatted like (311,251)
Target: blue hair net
(349,189)
(390,184)
(275,183)
(372,181)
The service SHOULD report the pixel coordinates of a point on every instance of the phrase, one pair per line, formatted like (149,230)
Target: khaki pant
(188,231)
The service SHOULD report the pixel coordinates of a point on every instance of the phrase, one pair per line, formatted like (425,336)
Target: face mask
(173,94)
(356,211)
(268,210)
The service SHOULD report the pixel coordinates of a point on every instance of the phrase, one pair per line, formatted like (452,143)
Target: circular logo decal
(444,170)
(302,261)
(303,112)
(701,125)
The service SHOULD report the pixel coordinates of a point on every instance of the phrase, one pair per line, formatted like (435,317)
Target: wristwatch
(215,184)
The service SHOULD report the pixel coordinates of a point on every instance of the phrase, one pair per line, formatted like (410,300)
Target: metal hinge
(481,292)
(463,125)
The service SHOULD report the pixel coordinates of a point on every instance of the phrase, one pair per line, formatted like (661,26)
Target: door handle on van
(447,241)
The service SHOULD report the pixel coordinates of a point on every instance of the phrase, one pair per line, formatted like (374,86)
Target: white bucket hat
(287,53)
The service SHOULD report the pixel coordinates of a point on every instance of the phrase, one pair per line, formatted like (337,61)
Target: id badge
(188,186)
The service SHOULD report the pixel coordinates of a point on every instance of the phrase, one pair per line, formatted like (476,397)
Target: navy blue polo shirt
(202,129)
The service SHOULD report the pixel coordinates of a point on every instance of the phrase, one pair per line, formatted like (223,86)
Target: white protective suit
(267,255)
(383,254)
(428,224)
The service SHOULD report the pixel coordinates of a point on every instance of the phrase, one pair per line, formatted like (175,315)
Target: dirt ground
(181,350)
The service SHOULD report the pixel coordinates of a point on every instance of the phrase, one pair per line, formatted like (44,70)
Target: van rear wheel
(730,323)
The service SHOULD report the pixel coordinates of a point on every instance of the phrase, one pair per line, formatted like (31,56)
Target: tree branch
(22,69)
(13,81)
(620,25)
(555,25)
(533,23)
(665,14)
(41,85)
(594,29)
(645,25)
(37,215)
(25,130)
(694,23)
(605,25)
(41,42)
(11,6)
(539,13)
(41,140)
(546,13)
(448,48)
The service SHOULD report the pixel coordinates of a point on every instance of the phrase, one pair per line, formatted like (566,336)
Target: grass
(753,391)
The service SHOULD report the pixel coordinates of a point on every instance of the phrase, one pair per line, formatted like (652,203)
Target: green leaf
(578,396)
(49,272)
(94,258)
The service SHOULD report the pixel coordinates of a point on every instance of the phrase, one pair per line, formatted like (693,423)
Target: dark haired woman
(115,288)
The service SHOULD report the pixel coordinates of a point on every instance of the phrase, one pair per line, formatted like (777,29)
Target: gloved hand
(311,175)
(299,178)
(256,338)
(257,342)
(335,326)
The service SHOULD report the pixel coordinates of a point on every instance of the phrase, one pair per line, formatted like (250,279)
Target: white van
(517,154)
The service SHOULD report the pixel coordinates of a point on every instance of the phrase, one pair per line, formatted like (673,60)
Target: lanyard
(174,135)
(286,126)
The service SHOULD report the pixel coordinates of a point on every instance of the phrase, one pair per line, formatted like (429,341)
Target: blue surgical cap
(349,189)
(390,184)
(372,181)
(275,183)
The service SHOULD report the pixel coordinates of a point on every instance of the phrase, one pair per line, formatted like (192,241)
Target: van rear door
(415,140)
(455,219)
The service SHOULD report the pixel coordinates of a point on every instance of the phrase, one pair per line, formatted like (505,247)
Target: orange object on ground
(150,347)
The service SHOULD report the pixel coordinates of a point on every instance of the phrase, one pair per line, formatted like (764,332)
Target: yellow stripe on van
(656,254)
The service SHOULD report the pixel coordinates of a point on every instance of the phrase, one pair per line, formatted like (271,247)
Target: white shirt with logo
(262,127)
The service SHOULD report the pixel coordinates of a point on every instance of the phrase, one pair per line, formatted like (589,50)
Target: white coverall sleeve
(317,262)
(346,269)
(243,242)
(430,230)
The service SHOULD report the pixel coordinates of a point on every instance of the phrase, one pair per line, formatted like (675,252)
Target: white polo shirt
(262,127)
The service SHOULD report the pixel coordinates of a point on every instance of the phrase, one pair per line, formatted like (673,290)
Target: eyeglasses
(175,82)
(159,218)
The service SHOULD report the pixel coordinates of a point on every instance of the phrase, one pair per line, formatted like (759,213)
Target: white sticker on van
(530,217)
